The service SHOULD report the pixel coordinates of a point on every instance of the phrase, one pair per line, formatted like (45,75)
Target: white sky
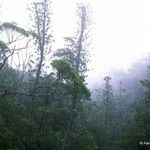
(121,34)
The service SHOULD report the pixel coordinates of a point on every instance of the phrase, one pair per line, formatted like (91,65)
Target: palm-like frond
(14,27)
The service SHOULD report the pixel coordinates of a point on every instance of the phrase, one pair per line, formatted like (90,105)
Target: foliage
(54,111)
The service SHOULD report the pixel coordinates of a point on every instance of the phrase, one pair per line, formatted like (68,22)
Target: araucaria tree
(76,54)
(42,27)
(108,112)
(76,49)
(120,109)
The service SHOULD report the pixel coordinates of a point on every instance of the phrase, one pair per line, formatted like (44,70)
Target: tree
(41,21)
(120,109)
(76,54)
(108,112)
(76,51)
(41,26)
(139,131)
(74,85)
(12,35)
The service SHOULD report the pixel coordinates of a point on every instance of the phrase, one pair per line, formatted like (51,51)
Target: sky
(120,30)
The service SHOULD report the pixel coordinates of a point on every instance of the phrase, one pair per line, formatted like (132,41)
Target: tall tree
(76,53)
(120,109)
(75,87)
(42,27)
(76,50)
(108,112)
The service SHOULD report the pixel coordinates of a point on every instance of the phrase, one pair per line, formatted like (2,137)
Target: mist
(119,33)
(74,75)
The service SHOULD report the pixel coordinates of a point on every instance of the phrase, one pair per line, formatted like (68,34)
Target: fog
(120,30)
(74,76)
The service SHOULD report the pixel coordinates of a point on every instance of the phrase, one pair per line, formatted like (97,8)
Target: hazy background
(120,30)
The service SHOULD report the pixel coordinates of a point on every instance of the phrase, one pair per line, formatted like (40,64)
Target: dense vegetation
(44,100)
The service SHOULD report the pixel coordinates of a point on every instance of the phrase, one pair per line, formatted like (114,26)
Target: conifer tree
(76,49)
(108,112)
